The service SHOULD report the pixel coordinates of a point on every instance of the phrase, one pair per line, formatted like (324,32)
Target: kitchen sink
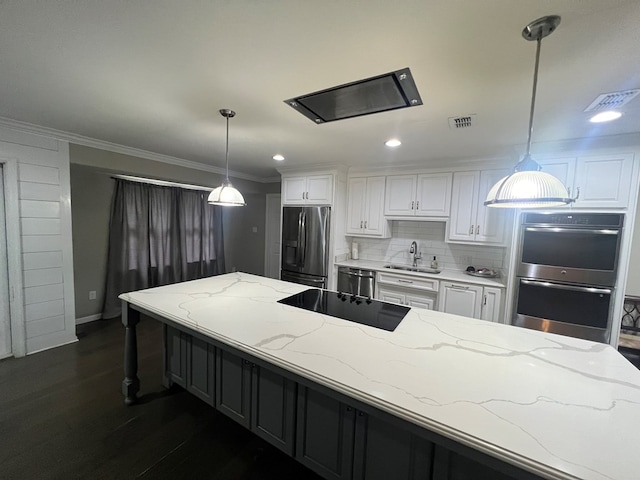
(412,269)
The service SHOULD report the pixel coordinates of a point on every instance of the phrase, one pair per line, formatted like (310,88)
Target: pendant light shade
(226,195)
(527,186)
(528,189)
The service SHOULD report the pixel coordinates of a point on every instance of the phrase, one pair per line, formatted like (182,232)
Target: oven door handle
(595,231)
(560,286)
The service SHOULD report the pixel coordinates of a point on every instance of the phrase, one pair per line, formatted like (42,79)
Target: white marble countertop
(560,407)
(451,275)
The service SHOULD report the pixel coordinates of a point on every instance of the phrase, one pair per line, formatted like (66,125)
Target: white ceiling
(153,74)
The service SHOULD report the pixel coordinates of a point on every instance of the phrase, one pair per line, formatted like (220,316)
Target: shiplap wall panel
(39,191)
(44,293)
(32,261)
(38,311)
(44,198)
(45,326)
(41,243)
(39,209)
(40,226)
(39,174)
(42,276)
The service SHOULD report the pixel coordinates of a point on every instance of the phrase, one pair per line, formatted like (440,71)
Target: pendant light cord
(227,150)
(533,94)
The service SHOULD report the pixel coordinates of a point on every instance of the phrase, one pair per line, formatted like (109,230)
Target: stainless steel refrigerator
(305,245)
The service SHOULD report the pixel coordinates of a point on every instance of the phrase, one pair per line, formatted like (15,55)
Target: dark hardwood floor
(62,416)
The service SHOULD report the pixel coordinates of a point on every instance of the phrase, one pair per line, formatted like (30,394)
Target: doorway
(272,234)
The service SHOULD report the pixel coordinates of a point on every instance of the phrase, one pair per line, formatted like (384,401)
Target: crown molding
(123,149)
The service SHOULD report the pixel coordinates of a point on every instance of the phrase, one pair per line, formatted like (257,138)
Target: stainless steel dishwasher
(356,281)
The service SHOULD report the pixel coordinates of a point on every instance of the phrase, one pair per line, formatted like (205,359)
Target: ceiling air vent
(467,121)
(613,100)
(388,91)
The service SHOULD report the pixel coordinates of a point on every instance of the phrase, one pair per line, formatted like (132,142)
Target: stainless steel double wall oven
(566,273)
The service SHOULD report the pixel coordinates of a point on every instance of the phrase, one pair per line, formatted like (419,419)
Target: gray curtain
(160,235)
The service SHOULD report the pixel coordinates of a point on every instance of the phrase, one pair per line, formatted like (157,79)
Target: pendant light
(225,195)
(527,186)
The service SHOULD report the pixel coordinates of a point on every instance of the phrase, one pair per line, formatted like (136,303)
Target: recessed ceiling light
(607,116)
(277,157)
(393,142)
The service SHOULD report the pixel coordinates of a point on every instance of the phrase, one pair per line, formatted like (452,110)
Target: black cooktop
(366,311)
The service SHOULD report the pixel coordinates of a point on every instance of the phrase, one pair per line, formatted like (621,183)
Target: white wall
(46,257)
(633,276)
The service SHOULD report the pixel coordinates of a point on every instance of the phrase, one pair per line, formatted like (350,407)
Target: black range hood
(389,91)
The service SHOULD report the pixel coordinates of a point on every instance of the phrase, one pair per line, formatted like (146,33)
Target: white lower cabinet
(474,301)
(460,299)
(491,304)
(407,290)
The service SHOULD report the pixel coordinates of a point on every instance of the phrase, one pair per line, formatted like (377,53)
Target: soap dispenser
(434,263)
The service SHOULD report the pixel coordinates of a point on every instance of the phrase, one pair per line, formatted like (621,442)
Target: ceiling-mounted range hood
(389,91)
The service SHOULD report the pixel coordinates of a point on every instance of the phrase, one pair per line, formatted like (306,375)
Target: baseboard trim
(90,318)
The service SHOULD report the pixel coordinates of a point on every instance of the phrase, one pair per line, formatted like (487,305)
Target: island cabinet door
(383,451)
(325,430)
(273,408)
(233,386)
(200,369)
(449,465)
(174,357)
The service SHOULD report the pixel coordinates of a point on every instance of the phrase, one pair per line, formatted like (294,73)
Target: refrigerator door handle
(299,246)
(303,234)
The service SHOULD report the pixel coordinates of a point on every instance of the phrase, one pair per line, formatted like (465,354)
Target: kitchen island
(471,394)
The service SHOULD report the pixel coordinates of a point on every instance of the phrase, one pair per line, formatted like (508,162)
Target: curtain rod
(162,183)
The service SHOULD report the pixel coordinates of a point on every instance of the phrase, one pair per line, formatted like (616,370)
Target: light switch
(255,229)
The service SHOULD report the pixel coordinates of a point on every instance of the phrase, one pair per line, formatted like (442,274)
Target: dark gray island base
(334,435)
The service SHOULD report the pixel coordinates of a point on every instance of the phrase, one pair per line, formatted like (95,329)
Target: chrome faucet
(413,249)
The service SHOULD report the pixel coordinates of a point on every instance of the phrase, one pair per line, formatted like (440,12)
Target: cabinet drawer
(408,281)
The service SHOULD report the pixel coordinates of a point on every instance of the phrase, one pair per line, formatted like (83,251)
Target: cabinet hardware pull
(349,409)
(361,414)
(471,230)
(577,193)
(459,287)
(412,205)
(484,302)
(404,281)
(418,205)
(365,224)
(360,223)
(477,229)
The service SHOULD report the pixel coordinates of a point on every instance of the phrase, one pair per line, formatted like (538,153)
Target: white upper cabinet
(365,199)
(426,195)
(308,190)
(603,181)
(471,221)
(598,181)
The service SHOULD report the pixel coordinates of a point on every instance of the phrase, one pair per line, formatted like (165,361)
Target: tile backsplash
(430,239)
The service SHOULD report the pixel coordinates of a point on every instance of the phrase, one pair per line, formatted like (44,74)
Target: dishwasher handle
(356,272)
